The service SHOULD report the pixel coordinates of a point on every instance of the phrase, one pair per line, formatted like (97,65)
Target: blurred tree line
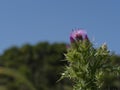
(39,67)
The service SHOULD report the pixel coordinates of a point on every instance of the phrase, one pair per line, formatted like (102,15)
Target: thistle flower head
(77,35)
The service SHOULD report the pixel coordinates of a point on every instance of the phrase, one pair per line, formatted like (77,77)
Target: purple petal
(82,32)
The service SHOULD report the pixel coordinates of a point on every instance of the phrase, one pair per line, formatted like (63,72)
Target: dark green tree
(41,64)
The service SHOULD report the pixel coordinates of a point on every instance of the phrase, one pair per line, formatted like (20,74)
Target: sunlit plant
(87,65)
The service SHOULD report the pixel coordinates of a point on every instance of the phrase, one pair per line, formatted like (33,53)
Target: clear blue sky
(32,21)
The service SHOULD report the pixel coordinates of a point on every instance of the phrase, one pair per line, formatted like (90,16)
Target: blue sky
(32,21)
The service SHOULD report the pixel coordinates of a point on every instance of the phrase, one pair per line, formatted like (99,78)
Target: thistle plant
(87,65)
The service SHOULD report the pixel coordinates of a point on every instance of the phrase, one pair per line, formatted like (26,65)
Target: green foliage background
(39,67)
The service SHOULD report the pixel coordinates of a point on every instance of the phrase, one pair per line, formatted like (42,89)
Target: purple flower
(77,35)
